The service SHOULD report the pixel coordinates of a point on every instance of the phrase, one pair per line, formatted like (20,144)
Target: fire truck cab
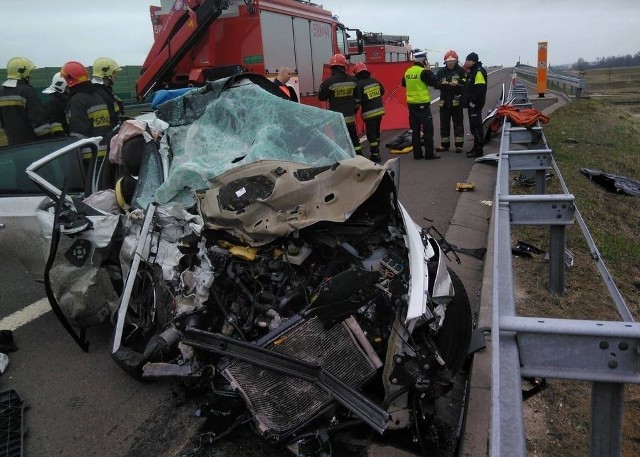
(200,40)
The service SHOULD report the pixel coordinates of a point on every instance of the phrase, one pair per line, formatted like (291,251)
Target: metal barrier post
(557,246)
(607,406)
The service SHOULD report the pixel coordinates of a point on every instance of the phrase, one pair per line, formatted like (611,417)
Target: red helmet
(338,60)
(451,56)
(74,73)
(358,67)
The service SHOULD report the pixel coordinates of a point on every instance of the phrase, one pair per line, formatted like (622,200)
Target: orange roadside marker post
(542,68)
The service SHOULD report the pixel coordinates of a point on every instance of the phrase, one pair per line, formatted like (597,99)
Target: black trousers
(448,114)
(475,125)
(420,120)
(353,134)
(372,125)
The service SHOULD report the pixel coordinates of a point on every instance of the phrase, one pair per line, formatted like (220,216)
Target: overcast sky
(52,32)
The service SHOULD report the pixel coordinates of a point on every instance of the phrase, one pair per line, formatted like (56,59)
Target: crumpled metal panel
(296,199)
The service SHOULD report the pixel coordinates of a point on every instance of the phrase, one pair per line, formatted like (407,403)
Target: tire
(454,337)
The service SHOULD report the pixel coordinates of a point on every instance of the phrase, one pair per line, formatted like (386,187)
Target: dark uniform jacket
(369,94)
(450,95)
(88,113)
(21,113)
(54,114)
(475,89)
(114,103)
(290,92)
(339,90)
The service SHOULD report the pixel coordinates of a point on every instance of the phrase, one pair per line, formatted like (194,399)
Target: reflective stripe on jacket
(449,94)
(88,112)
(21,113)
(369,93)
(339,90)
(475,90)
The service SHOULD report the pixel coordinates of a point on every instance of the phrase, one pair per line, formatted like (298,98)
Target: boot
(442,148)
(375,157)
(477,151)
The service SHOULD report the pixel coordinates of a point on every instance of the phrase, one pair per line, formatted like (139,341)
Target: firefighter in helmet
(54,114)
(20,106)
(451,80)
(339,90)
(104,74)
(417,80)
(87,113)
(369,94)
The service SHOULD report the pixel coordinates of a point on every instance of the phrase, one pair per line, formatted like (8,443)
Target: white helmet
(58,84)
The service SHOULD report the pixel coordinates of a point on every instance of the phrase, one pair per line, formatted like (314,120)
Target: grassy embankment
(587,133)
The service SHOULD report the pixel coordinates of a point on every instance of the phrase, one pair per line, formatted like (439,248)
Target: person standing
(339,90)
(88,113)
(451,80)
(369,93)
(473,98)
(284,75)
(417,80)
(54,113)
(104,75)
(20,106)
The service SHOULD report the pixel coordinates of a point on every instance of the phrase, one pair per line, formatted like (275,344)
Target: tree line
(609,62)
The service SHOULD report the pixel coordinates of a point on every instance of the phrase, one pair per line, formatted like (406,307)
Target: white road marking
(25,315)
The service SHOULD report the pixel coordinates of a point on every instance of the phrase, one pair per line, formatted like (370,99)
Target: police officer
(88,114)
(104,75)
(473,98)
(369,94)
(417,80)
(339,90)
(20,106)
(54,113)
(451,80)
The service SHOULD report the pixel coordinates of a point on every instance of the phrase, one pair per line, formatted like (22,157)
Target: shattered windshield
(217,128)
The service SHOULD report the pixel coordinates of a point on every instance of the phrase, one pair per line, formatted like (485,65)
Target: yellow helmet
(104,67)
(19,68)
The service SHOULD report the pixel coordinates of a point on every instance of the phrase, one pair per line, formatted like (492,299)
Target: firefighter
(88,114)
(104,74)
(451,79)
(54,113)
(417,80)
(339,90)
(284,75)
(20,106)
(473,98)
(369,94)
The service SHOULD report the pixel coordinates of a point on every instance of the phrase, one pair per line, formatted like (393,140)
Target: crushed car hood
(261,201)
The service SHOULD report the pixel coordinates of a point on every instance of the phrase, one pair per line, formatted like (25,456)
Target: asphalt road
(82,404)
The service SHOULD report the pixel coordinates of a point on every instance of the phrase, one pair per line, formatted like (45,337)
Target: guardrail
(574,86)
(603,353)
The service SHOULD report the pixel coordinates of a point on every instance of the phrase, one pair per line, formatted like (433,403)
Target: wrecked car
(244,247)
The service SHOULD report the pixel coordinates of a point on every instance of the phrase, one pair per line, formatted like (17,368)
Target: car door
(20,235)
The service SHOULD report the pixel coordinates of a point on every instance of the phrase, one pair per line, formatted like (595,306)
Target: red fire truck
(379,48)
(199,40)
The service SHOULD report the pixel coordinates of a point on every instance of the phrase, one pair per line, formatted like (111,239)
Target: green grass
(586,133)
